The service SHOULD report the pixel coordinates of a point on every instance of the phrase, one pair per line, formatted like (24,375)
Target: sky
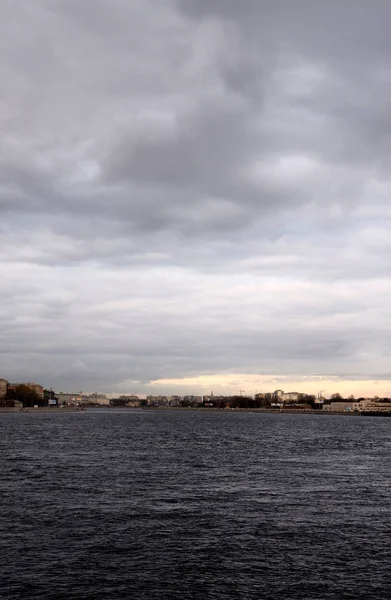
(195,195)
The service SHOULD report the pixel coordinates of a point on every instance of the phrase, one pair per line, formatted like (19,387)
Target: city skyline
(195,195)
(230,386)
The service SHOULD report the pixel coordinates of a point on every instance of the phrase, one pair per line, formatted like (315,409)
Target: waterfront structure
(341,406)
(296,406)
(373,405)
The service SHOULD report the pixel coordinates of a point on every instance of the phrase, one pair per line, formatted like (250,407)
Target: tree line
(28,396)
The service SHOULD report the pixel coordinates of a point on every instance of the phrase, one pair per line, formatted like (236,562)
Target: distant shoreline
(220,410)
(52,410)
(77,409)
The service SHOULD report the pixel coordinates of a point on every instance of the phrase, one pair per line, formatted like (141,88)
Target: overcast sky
(196,195)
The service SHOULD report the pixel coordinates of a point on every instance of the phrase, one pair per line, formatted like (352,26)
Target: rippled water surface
(189,505)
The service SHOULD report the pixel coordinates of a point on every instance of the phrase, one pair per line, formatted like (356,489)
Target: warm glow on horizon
(247,383)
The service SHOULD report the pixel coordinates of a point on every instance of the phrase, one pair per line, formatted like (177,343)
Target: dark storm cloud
(194,187)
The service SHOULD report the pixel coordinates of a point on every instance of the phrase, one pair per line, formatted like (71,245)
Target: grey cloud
(193,187)
(340,28)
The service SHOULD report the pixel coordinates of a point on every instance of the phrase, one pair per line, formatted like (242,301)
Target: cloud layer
(194,189)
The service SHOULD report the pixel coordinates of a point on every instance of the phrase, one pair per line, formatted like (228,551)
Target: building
(373,405)
(3,389)
(35,387)
(291,397)
(50,398)
(175,400)
(157,401)
(297,406)
(96,399)
(69,398)
(29,393)
(281,396)
(341,406)
(118,402)
(191,400)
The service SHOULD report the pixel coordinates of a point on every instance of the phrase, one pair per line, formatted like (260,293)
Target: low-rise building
(69,398)
(373,405)
(118,402)
(341,406)
(369,404)
(35,387)
(96,399)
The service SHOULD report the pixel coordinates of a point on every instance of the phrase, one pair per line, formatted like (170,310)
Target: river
(191,505)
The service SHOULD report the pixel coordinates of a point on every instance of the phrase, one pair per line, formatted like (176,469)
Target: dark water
(194,506)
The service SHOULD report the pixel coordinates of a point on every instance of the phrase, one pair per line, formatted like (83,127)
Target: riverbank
(211,410)
(78,409)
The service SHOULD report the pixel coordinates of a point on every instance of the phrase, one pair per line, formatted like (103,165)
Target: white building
(281,396)
(369,404)
(372,405)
